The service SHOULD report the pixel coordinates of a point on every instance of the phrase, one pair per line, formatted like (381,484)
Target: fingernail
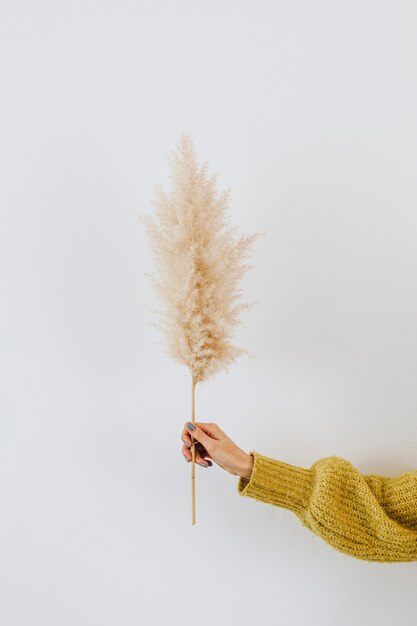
(187,444)
(190,426)
(186,458)
(204,464)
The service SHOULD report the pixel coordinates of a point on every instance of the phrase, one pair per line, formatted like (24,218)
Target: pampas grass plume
(199,264)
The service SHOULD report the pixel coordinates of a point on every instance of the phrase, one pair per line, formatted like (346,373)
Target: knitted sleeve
(369,517)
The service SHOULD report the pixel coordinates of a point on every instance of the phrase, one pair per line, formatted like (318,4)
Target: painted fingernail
(186,458)
(204,464)
(187,444)
(190,426)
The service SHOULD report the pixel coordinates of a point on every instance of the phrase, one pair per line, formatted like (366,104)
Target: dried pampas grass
(199,264)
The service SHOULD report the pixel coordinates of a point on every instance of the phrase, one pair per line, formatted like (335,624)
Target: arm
(365,516)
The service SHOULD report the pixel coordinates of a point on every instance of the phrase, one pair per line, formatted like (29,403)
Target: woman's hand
(211,443)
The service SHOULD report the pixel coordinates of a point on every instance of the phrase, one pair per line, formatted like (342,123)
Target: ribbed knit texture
(369,517)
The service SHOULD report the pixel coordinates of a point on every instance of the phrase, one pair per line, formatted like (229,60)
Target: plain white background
(308,112)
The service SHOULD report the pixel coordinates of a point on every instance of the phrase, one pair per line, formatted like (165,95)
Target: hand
(211,443)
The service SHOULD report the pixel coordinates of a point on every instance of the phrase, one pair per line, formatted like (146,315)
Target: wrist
(246,468)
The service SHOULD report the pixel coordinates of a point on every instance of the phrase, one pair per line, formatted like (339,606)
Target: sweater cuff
(279,483)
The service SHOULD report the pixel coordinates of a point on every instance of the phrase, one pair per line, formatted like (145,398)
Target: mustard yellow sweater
(366,516)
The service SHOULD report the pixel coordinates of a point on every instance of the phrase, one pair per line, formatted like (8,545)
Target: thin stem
(193,454)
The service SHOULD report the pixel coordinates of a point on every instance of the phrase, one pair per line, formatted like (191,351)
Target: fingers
(199,435)
(186,437)
(212,430)
(199,449)
(204,432)
(200,455)
(203,443)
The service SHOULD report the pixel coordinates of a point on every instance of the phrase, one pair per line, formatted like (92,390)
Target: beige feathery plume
(199,264)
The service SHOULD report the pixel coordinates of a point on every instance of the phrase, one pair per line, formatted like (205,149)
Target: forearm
(278,483)
(348,510)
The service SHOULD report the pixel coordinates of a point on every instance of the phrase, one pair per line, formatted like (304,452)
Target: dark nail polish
(203,464)
(186,458)
(190,426)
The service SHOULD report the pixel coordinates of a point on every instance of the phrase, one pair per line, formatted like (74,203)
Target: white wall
(308,112)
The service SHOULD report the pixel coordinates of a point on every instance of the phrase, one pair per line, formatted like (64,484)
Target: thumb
(199,435)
